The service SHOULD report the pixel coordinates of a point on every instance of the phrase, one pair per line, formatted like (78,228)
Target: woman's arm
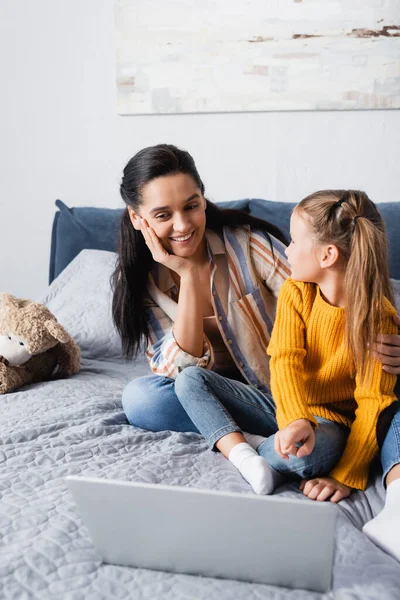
(164,354)
(387,350)
(179,343)
(188,325)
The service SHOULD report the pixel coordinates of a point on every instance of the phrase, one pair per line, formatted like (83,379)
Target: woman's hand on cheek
(387,350)
(160,254)
(153,243)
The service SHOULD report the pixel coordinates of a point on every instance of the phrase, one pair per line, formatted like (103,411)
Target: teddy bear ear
(57,331)
(7,300)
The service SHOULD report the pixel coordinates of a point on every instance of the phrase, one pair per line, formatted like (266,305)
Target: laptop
(262,539)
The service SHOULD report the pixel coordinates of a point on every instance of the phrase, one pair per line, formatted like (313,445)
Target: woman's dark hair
(134,262)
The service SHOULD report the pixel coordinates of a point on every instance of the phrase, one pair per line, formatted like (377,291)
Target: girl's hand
(299,432)
(387,350)
(322,488)
(159,253)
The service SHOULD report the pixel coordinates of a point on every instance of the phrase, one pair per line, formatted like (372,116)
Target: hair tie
(340,202)
(356,217)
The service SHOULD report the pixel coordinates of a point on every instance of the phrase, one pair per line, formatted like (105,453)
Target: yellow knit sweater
(312,373)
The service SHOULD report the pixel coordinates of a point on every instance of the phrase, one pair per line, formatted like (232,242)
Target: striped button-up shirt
(246,277)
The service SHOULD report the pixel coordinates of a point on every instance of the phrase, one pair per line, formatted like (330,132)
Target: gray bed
(77,426)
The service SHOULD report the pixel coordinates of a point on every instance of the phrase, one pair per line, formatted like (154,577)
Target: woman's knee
(151,403)
(188,379)
(141,400)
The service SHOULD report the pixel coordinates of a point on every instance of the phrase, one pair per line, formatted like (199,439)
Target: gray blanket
(77,426)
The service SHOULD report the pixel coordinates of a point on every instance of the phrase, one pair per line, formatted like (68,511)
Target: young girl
(338,299)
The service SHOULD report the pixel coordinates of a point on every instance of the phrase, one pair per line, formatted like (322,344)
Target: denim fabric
(150,402)
(330,440)
(218,406)
(390,451)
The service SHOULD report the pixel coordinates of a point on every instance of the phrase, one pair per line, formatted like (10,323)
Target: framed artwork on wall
(186,56)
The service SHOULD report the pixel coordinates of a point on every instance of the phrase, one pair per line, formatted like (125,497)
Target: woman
(200,285)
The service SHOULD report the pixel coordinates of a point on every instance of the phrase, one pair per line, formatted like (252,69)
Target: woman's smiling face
(174,207)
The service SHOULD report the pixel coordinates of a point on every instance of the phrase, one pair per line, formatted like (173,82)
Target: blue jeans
(390,451)
(151,403)
(218,406)
(215,406)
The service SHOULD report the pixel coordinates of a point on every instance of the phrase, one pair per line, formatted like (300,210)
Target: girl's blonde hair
(350,220)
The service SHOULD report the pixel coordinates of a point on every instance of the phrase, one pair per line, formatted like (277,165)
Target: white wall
(60,136)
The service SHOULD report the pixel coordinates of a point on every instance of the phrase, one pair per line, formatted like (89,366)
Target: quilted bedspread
(76,426)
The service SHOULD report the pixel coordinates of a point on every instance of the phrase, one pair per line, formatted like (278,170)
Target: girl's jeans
(215,406)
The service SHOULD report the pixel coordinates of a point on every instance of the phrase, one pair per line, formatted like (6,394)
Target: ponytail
(367,284)
(351,221)
(129,282)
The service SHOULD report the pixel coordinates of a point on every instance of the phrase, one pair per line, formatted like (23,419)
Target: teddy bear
(33,345)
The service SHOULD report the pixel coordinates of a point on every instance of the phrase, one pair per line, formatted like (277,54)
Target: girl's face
(174,207)
(303,252)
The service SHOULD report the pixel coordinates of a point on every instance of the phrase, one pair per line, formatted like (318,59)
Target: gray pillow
(80,297)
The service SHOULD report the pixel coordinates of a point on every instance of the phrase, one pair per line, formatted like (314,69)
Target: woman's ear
(328,256)
(134,218)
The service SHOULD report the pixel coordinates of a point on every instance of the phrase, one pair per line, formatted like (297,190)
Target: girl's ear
(328,256)
(134,218)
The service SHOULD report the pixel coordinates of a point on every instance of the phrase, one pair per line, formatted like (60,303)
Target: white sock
(384,530)
(253,439)
(253,468)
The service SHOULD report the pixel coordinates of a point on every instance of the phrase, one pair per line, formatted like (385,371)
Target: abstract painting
(195,56)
